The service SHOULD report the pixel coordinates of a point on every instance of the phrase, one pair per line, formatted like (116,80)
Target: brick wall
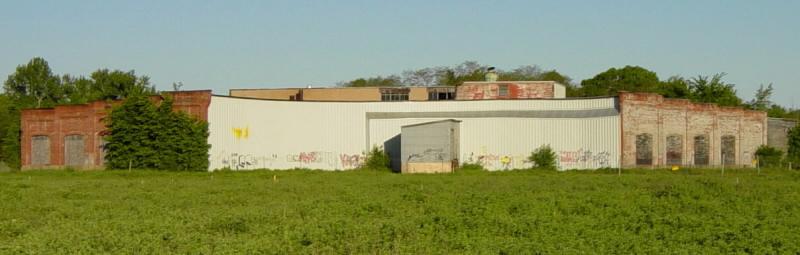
(87,122)
(515,90)
(686,124)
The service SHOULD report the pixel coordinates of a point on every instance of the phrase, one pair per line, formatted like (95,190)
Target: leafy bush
(143,135)
(769,156)
(472,167)
(793,152)
(544,157)
(377,159)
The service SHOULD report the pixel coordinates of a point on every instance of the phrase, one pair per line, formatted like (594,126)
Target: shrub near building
(793,151)
(145,136)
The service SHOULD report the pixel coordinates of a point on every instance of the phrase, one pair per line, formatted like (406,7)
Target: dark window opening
(701,150)
(644,149)
(437,94)
(728,150)
(502,91)
(674,150)
(394,94)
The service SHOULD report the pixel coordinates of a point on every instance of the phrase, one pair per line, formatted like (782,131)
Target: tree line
(700,88)
(34,85)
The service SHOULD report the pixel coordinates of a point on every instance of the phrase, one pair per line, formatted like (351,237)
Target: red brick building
(658,131)
(72,135)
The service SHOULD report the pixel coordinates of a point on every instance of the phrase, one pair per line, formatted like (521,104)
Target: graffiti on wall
(428,155)
(330,159)
(351,160)
(241,133)
(498,161)
(246,161)
(583,158)
(238,161)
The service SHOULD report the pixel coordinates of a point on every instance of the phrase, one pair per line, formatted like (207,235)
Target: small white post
(723,164)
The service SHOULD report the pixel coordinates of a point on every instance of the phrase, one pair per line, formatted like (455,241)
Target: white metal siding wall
(253,134)
(559,91)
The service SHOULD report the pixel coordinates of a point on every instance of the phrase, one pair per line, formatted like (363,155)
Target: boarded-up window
(644,149)
(701,150)
(674,150)
(74,150)
(503,90)
(728,150)
(40,150)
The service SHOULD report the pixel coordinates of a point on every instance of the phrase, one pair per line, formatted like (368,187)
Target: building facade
(499,125)
(466,91)
(72,135)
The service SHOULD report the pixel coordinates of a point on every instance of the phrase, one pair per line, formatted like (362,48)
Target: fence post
(723,164)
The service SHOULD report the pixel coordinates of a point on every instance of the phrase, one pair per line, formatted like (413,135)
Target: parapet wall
(664,132)
(509,90)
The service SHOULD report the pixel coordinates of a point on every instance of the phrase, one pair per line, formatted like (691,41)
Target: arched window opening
(701,150)
(728,150)
(644,149)
(674,150)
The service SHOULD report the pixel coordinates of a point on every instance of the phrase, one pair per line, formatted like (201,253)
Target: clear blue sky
(249,44)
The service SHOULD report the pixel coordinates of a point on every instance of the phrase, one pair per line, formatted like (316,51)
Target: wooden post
(130,163)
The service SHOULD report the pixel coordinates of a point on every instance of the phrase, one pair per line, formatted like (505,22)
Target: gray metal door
(74,150)
(40,150)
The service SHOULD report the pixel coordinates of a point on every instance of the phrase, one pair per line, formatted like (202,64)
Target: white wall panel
(253,134)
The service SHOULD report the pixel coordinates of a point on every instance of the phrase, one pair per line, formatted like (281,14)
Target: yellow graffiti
(240,133)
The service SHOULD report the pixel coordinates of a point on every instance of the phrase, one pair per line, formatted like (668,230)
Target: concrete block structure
(430,147)
(778,132)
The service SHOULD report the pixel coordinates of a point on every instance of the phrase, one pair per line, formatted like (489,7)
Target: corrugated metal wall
(253,134)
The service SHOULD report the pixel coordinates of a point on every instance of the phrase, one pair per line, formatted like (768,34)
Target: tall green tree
(78,90)
(378,81)
(761,100)
(9,131)
(713,89)
(675,87)
(145,136)
(133,129)
(628,78)
(116,84)
(34,84)
(793,146)
(183,144)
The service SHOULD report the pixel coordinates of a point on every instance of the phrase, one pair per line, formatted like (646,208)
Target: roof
(432,122)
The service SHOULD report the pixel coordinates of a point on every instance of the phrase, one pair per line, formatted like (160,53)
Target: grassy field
(278,212)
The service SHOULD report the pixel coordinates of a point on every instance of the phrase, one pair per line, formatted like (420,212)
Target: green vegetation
(543,157)
(769,156)
(377,159)
(793,152)
(145,135)
(34,85)
(700,88)
(278,212)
